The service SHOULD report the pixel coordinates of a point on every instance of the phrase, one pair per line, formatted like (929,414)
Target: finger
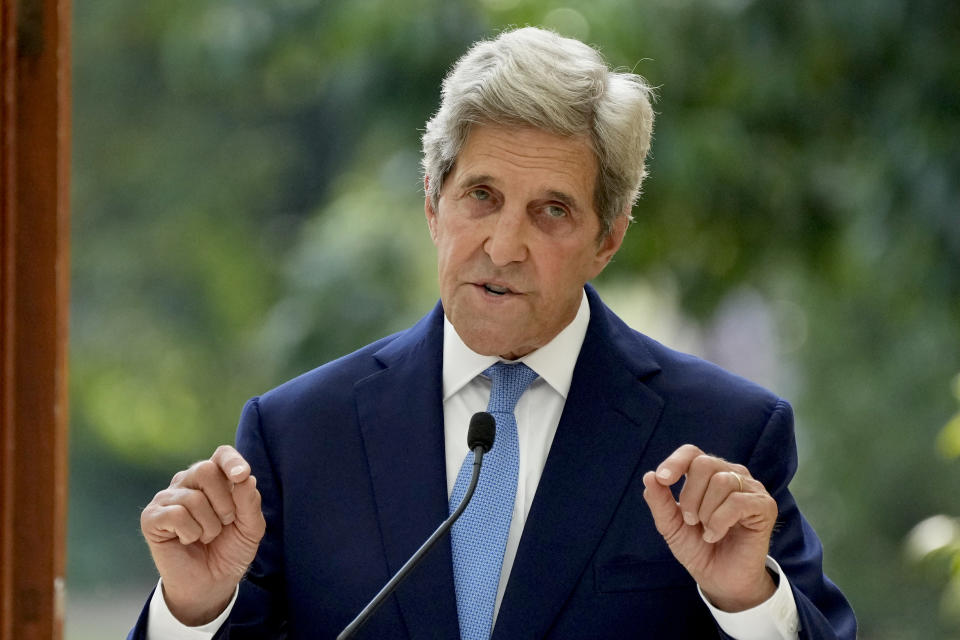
(754,511)
(162,523)
(666,514)
(208,477)
(700,475)
(720,488)
(676,464)
(234,467)
(198,507)
(247,500)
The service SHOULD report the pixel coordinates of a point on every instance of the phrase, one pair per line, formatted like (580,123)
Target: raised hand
(203,532)
(720,527)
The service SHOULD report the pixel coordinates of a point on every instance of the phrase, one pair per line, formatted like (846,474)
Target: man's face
(517,237)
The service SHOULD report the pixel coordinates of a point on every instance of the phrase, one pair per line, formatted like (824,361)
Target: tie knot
(509,383)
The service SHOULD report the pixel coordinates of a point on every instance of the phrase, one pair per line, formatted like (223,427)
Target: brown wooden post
(34,289)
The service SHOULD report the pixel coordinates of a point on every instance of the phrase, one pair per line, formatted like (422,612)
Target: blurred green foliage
(948,442)
(247,205)
(933,545)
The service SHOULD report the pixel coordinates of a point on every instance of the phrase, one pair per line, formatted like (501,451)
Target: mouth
(496,289)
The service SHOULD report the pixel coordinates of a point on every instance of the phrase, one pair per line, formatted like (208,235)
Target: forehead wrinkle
(505,140)
(536,158)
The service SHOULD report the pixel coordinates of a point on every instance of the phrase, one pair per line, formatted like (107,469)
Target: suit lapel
(400,410)
(607,420)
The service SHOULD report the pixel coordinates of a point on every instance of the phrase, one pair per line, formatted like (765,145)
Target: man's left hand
(720,527)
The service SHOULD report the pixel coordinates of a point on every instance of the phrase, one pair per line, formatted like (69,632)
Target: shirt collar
(553,361)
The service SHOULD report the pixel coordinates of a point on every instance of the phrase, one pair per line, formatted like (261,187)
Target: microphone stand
(388,588)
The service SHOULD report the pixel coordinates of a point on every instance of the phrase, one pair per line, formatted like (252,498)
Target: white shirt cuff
(775,619)
(162,625)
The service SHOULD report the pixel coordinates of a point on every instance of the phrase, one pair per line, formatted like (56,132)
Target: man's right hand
(203,532)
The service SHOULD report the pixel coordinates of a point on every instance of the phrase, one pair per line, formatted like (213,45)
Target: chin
(489,334)
(487,343)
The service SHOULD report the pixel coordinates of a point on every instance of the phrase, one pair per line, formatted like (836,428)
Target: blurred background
(247,204)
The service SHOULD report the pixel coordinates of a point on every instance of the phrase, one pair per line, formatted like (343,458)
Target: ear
(610,243)
(428,210)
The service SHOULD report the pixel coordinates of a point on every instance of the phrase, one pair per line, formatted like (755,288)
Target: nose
(507,240)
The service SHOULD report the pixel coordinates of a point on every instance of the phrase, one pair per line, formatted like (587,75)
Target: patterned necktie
(480,535)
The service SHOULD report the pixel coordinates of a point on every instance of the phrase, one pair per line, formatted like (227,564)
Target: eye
(480,194)
(556,211)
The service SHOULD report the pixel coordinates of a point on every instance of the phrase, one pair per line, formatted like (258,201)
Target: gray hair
(533,77)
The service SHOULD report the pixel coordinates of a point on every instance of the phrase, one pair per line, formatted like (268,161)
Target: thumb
(685,541)
(665,510)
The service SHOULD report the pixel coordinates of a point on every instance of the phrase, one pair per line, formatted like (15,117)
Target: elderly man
(632,491)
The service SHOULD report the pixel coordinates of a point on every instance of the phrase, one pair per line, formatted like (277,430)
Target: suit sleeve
(260,610)
(824,612)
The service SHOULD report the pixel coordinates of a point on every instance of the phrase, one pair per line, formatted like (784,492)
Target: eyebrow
(564,198)
(474,179)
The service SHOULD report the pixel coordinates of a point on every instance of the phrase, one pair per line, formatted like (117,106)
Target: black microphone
(480,437)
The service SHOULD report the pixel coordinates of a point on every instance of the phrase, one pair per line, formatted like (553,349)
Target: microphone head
(482,431)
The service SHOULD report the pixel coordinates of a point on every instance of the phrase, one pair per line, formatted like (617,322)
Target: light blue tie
(480,535)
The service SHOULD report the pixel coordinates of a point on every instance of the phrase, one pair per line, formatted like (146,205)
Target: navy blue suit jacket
(349,459)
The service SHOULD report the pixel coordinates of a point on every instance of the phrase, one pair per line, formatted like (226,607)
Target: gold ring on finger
(739,480)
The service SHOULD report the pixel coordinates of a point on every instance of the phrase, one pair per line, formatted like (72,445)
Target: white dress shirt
(538,411)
